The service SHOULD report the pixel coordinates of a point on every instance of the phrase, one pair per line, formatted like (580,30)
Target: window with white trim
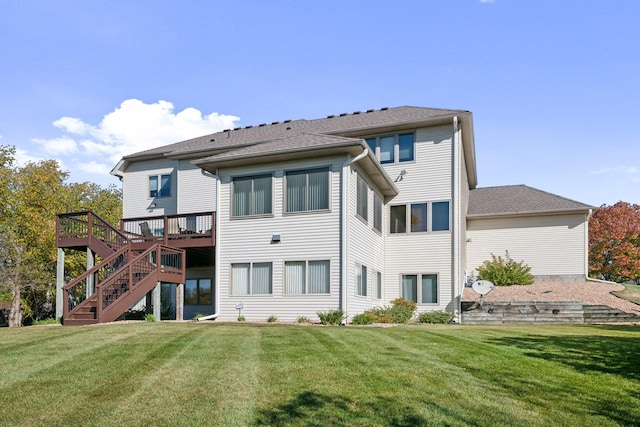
(378,284)
(393,148)
(362,198)
(306,277)
(377,212)
(252,278)
(420,288)
(420,217)
(361,280)
(160,185)
(252,195)
(307,190)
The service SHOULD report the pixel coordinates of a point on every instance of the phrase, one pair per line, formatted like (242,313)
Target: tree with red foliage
(614,243)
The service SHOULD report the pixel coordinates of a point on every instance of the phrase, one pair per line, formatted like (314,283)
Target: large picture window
(420,288)
(252,278)
(160,186)
(252,195)
(197,292)
(306,277)
(307,190)
(393,148)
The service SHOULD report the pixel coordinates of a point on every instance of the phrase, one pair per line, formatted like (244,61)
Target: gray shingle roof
(518,200)
(342,123)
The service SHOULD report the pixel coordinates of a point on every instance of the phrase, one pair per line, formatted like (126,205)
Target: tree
(30,197)
(614,243)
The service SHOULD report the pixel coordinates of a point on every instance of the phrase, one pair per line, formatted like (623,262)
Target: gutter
(344,237)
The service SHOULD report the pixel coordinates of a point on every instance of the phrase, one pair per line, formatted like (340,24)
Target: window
(377,212)
(362,198)
(398,219)
(440,215)
(307,190)
(251,278)
(361,280)
(392,147)
(162,190)
(419,215)
(302,277)
(197,292)
(426,293)
(378,285)
(252,195)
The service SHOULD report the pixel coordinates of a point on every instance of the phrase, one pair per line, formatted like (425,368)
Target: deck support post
(59,284)
(91,260)
(180,301)
(155,297)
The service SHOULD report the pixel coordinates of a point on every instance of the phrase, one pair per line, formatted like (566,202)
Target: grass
(630,292)
(247,374)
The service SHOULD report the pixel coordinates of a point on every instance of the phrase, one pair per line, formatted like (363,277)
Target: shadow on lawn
(607,354)
(312,409)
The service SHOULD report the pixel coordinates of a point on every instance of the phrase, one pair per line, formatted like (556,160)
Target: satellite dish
(483,287)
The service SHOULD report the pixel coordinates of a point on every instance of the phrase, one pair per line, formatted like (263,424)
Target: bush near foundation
(505,271)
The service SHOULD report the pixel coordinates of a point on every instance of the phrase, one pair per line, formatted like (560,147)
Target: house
(291,218)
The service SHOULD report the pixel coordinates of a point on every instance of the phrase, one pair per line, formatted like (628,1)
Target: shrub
(331,317)
(150,318)
(505,271)
(242,319)
(365,318)
(435,317)
(272,319)
(47,321)
(303,319)
(400,311)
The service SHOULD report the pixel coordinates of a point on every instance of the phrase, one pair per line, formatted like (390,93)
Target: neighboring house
(349,211)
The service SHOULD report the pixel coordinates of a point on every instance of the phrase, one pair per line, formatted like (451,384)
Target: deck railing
(182,230)
(82,227)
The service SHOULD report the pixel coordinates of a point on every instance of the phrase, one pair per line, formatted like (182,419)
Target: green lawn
(206,374)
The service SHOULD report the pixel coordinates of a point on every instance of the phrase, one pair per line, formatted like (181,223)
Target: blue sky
(553,85)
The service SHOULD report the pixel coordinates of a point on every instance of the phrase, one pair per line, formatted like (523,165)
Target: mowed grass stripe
(244,374)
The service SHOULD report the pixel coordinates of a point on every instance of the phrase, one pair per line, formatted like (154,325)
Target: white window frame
(307,277)
(419,298)
(362,281)
(408,225)
(378,209)
(362,185)
(158,184)
(375,141)
(306,172)
(251,290)
(251,213)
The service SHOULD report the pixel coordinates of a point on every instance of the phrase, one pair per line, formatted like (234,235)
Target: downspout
(586,244)
(455,207)
(216,251)
(344,237)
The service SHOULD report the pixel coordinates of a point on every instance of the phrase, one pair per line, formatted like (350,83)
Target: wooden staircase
(122,278)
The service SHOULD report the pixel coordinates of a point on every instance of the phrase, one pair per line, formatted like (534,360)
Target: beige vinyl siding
(196,189)
(366,248)
(304,237)
(552,245)
(135,189)
(428,179)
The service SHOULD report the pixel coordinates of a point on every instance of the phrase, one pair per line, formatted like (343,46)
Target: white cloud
(627,172)
(133,126)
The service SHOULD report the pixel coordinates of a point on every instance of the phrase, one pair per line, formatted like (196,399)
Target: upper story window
(307,190)
(252,195)
(416,216)
(377,212)
(160,186)
(393,148)
(362,198)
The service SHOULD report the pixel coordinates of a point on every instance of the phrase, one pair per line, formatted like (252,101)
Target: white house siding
(196,189)
(136,201)
(365,248)
(428,179)
(553,245)
(304,237)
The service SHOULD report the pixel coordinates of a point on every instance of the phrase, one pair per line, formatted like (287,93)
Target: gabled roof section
(519,200)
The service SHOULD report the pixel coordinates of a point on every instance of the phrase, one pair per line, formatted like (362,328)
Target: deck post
(90,264)
(180,301)
(155,296)
(60,284)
